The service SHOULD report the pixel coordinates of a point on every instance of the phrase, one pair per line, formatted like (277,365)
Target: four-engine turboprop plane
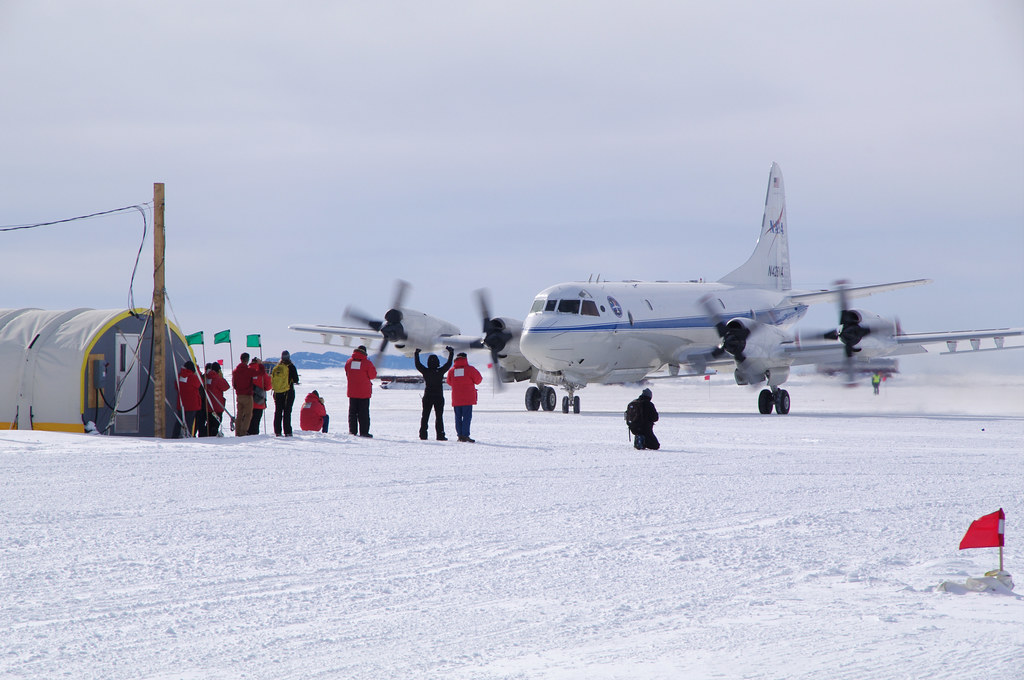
(618,332)
(621,332)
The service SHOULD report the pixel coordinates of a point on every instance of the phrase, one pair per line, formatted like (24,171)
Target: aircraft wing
(349,336)
(953,338)
(816,352)
(834,294)
(823,352)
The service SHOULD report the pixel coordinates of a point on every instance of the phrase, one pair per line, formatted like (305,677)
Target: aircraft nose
(535,344)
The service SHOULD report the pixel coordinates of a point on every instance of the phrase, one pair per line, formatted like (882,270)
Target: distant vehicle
(403,382)
(884,367)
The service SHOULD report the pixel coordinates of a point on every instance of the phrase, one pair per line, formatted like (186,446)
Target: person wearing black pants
(284,377)
(359,372)
(433,392)
(359,416)
(643,428)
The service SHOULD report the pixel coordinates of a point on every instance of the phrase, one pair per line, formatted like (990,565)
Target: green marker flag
(222,337)
(195,338)
(253,341)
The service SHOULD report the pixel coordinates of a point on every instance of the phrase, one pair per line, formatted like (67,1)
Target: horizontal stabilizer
(834,294)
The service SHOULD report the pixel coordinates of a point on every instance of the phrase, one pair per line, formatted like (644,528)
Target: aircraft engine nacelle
(420,330)
(764,341)
(865,331)
(505,332)
(877,323)
(757,348)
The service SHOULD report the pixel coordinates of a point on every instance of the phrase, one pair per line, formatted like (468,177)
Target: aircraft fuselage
(614,332)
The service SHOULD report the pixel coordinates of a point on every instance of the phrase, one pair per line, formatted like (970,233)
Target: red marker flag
(985,532)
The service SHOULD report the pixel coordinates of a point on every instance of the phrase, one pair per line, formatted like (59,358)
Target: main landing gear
(544,397)
(773,398)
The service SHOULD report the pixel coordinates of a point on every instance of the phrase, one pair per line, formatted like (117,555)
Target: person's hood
(461,362)
(433,361)
(260,368)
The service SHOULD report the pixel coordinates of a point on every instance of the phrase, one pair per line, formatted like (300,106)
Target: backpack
(634,413)
(259,396)
(280,379)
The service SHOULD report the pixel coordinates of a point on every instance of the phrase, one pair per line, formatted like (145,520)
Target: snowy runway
(799,546)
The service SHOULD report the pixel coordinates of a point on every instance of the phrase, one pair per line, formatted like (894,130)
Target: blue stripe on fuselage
(772,317)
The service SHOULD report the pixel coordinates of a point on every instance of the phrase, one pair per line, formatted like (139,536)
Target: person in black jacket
(433,392)
(643,428)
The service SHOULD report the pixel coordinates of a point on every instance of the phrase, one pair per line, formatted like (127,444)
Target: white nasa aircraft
(621,332)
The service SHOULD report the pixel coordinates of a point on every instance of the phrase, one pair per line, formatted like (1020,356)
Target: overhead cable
(16,227)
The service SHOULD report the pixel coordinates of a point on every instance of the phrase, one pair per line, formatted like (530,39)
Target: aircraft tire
(782,402)
(575,404)
(532,398)
(765,402)
(565,404)
(548,398)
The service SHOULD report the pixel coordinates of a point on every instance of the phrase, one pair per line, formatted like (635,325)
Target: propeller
(733,334)
(850,332)
(496,335)
(390,327)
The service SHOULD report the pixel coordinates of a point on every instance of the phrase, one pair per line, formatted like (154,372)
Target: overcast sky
(313,152)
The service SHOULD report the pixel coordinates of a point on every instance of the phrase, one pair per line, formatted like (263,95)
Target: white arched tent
(60,370)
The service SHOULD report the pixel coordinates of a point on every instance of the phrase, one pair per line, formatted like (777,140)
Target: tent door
(127,372)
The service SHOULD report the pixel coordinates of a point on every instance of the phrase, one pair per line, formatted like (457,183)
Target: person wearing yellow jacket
(283,379)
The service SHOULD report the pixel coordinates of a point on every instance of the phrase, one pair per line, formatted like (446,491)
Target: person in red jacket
(188,399)
(360,371)
(463,379)
(241,380)
(260,388)
(313,415)
(216,386)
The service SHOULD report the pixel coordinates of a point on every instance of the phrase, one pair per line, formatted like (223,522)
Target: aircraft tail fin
(768,266)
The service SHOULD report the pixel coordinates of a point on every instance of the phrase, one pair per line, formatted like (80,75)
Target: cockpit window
(590,308)
(550,306)
(538,305)
(569,306)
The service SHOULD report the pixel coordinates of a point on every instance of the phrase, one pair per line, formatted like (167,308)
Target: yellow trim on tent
(103,331)
(59,427)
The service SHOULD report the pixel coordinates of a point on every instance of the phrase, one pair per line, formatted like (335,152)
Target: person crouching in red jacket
(463,379)
(313,415)
(359,371)
(188,399)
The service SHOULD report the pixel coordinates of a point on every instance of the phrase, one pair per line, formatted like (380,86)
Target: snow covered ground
(749,546)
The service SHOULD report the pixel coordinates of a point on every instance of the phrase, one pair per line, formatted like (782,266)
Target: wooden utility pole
(159,319)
